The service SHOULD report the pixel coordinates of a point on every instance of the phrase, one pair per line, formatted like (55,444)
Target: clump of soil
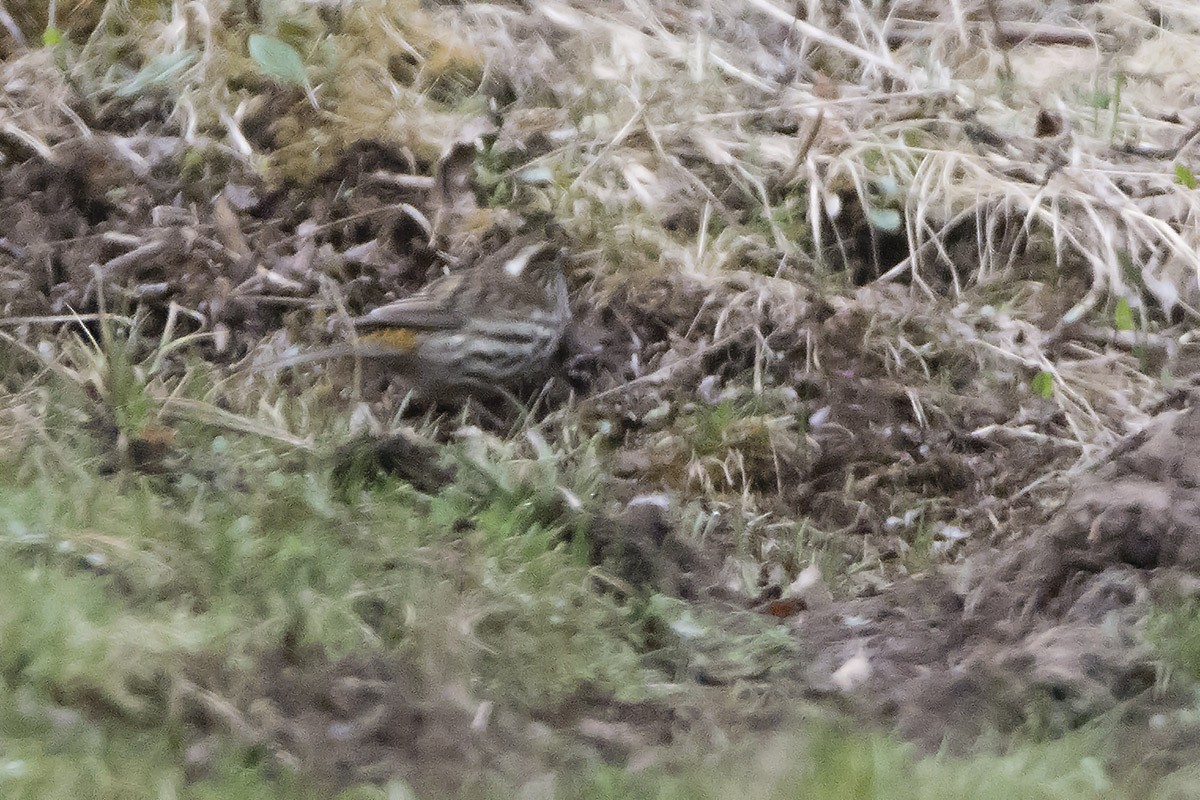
(343,722)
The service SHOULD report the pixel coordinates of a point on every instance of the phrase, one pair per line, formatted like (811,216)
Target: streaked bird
(490,329)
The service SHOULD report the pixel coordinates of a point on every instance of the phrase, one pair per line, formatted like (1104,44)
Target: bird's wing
(494,280)
(433,308)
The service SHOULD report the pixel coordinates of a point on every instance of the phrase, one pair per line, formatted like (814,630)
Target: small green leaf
(1123,315)
(1184,177)
(278,59)
(1043,385)
(51,36)
(884,219)
(158,71)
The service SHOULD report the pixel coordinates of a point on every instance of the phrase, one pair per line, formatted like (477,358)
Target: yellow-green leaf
(1184,177)
(1042,384)
(51,36)
(1123,315)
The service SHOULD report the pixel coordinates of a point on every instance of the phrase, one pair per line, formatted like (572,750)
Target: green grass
(115,585)
(831,761)
(1173,629)
(109,591)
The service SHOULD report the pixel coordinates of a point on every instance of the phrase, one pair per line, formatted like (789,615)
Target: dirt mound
(1045,636)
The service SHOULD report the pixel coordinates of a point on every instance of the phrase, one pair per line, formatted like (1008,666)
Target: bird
(490,329)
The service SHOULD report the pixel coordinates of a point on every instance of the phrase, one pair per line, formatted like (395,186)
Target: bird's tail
(344,350)
(396,344)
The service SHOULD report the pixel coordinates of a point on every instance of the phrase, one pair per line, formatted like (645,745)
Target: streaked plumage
(491,328)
